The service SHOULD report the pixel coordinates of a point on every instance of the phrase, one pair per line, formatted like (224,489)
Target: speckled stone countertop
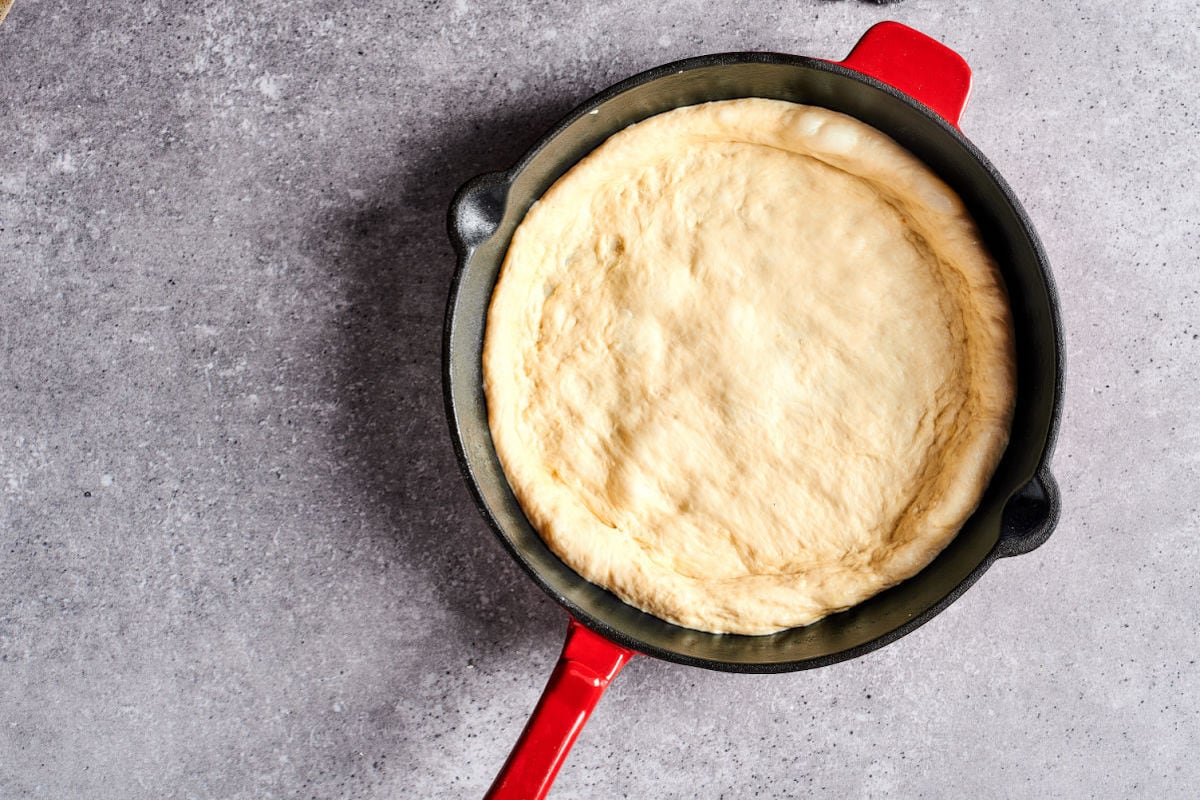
(236,556)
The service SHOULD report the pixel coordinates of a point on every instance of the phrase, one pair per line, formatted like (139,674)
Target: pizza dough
(747,364)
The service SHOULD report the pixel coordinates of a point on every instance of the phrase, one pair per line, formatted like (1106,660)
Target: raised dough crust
(747,364)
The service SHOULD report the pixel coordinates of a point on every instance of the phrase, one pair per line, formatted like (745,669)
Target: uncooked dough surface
(748,364)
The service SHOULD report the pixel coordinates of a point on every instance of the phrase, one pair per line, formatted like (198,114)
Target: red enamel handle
(587,665)
(921,67)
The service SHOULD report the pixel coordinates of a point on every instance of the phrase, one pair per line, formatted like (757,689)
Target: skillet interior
(1020,504)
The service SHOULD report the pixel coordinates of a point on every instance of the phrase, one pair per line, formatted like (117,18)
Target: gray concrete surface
(236,557)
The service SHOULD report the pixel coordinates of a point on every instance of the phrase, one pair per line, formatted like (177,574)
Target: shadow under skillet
(393,256)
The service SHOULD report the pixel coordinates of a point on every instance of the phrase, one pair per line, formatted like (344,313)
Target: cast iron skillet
(910,87)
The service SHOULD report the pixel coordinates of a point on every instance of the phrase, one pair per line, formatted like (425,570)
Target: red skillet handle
(587,665)
(915,64)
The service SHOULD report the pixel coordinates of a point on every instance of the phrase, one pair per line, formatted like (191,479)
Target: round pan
(911,88)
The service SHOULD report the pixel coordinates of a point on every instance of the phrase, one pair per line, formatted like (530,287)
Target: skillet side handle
(476,211)
(587,665)
(1030,516)
(917,65)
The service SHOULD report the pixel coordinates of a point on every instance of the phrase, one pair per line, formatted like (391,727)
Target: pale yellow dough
(748,364)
